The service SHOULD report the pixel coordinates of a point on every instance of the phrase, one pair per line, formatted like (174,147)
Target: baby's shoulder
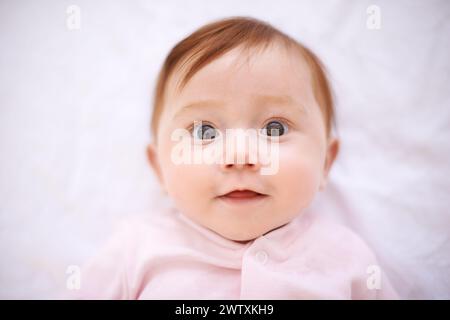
(149,228)
(336,249)
(114,269)
(339,242)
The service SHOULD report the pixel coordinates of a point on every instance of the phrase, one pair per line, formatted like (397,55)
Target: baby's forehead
(271,71)
(273,56)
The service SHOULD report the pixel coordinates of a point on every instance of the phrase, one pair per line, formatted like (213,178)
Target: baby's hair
(215,39)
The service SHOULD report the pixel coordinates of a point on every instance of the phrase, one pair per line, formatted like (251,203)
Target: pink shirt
(171,257)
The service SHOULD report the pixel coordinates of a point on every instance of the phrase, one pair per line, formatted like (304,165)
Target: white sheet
(74,115)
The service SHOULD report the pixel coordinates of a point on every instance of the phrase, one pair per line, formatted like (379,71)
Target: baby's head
(239,74)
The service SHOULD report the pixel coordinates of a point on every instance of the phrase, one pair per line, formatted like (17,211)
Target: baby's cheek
(298,179)
(185,182)
(177,175)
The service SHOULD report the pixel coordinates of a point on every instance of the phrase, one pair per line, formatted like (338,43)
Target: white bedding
(74,121)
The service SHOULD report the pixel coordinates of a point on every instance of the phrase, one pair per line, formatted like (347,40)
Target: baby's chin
(240,236)
(239,230)
(244,236)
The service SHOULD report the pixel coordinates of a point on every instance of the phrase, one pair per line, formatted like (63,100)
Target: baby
(238,227)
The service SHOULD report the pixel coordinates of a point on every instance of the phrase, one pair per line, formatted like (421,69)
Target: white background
(75,112)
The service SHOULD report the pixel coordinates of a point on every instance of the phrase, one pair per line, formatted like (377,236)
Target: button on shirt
(169,256)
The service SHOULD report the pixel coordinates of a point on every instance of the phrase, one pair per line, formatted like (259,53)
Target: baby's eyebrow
(200,104)
(258,100)
(286,101)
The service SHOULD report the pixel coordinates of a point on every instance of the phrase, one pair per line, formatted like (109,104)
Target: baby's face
(271,90)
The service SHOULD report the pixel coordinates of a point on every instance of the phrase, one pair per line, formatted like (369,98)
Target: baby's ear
(153,159)
(332,152)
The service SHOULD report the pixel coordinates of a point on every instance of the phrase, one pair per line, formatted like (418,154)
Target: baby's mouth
(242,196)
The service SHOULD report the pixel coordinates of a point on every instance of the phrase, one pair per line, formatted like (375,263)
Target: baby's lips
(239,194)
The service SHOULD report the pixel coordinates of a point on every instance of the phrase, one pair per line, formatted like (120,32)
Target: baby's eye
(203,131)
(274,128)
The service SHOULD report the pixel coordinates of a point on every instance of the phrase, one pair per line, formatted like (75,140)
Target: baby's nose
(247,166)
(241,152)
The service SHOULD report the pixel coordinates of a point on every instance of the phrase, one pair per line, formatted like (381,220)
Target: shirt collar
(281,237)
